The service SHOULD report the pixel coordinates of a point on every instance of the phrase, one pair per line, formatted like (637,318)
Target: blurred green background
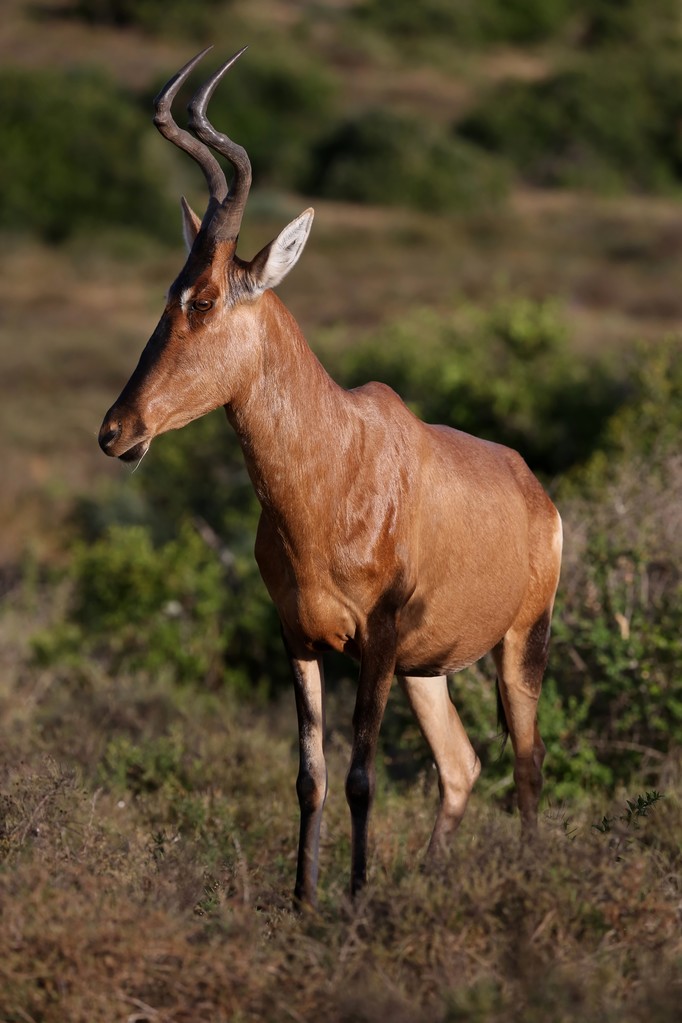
(498,235)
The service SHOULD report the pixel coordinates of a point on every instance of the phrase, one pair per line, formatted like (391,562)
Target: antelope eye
(202,305)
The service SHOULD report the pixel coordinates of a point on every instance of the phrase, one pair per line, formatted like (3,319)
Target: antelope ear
(190,223)
(274,262)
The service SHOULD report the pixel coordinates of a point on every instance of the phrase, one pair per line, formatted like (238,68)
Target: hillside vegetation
(498,236)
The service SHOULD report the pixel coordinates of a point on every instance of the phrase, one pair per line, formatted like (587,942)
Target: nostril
(109,433)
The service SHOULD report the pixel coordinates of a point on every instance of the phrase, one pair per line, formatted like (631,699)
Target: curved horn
(163,119)
(226,221)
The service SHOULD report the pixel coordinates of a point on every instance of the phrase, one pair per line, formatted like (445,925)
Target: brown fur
(413,548)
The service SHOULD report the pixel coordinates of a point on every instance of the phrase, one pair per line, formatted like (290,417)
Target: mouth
(136,453)
(116,437)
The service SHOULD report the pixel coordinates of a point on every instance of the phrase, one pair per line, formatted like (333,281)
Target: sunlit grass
(148,854)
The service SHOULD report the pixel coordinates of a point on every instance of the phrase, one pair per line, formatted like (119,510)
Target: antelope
(414,549)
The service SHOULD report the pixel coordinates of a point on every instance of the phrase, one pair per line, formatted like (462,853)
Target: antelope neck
(291,413)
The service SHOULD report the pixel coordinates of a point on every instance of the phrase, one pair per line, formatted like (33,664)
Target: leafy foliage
(636,809)
(145,767)
(157,16)
(147,600)
(479,371)
(617,647)
(608,123)
(466,21)
(175,608)
(630,22)
(381,157)
(611,707)
(650,421)
(592,24)
(74,157)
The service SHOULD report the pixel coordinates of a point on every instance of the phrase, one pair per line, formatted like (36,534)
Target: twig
(149,1011)
(243,871)
(624,744)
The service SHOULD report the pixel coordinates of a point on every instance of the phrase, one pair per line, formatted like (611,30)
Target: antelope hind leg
(457,763)
(521,659)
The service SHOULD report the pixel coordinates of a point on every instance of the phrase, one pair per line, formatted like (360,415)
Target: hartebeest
(415,549)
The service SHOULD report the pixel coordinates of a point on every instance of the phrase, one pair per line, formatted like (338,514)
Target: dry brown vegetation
(148,847)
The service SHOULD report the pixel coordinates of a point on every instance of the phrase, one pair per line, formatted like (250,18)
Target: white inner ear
(283,252)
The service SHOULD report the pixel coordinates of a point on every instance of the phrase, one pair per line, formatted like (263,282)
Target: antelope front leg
(311,784)
(376,675)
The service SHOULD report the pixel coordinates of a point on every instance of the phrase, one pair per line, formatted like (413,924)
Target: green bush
(142,607)
(146,766)
(651,24)
(178,609)
(651,420)
(73,157)
(192,601)
(610,123)
(508,375)
(199,472)
(382,157)
(466,21)
(646,425)
(155,16)
(615,670)
(618,646)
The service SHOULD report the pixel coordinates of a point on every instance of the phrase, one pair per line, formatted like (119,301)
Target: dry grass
(163,893)
(109,908)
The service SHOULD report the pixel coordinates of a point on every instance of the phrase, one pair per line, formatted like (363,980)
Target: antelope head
(207,343)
